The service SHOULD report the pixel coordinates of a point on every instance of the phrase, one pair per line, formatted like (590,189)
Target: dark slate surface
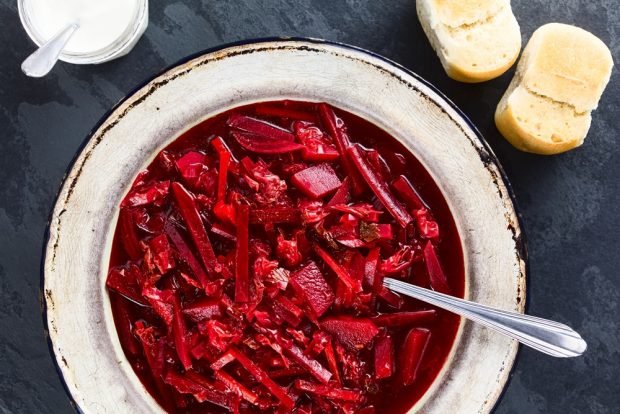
(569,202)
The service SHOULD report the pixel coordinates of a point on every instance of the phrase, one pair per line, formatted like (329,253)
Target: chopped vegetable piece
(191,166)
(189,212)
(275,215)
(259,145)
(317,182)
(127,281)
(317,147)
(384,357)
(180,335)
(236,387)
(329,392)
(340,271)
(225,160)
(379,187)
(163,257)
(203,309)
(287,251)
(262,377)
(330,356)
(342,196)
(130,240)
(399,261)
(311,365)
(310,284)
(153,348)
(354,333)
(124,327)
(400,319)
(260,128)
(427,226)
(222,361)
(370,232)
(407,193)
(335,128)
(438,279)
(147,194)
(222,231)
(412,353)
(242,281)
(185,254)
(184,385)
(287,310)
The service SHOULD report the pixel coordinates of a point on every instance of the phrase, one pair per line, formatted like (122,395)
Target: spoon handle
(552,338)
(43,59)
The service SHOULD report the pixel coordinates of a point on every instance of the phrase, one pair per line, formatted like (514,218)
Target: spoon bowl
(41,62)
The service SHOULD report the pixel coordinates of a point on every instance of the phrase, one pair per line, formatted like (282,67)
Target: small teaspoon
(43,59)
(549,337)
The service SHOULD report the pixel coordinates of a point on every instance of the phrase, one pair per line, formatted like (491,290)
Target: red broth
(261,291)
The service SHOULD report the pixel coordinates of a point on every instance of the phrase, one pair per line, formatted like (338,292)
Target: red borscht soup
(248,259)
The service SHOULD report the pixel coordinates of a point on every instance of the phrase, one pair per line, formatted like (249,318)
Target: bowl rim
(488,158)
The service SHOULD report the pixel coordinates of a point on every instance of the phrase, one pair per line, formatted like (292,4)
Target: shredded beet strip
(330,355)
(328,391)
(408,193)
(275,215)
(128,340)
(225,158)
(242,281)
(330,121)
(189,212)
(384,357)
(438,279)
(186,254)
(236,387)
(200,392)
(378,187)
(261,128)
(262,377)
(340,271)
(412,354)
(400,319)
(129,237)
(260,145)
(311,365)
(180,335)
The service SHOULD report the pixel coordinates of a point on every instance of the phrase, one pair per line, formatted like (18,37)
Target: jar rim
(114,50)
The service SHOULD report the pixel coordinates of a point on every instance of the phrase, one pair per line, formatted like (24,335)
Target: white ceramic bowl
(77,310)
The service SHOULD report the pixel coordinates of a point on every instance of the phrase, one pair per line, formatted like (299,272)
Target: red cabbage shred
(247,266)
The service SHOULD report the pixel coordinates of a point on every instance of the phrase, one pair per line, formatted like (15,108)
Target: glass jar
(120,47)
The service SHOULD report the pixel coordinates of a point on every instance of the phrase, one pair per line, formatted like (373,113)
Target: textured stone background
(570,203)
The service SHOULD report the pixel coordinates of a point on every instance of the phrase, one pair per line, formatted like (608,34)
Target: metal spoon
(552,338)
(43,60)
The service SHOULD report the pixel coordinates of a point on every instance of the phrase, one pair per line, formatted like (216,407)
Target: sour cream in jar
(108,28)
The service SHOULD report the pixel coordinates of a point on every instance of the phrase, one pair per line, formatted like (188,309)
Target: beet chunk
(310,284)
(354,333)
(412,353)
(384,357)
(317,181)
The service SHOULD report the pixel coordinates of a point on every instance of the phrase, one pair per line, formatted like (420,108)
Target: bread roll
(476,40)
(558,83)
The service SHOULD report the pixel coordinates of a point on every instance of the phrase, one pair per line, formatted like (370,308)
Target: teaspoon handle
(43,59)
(552,338)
